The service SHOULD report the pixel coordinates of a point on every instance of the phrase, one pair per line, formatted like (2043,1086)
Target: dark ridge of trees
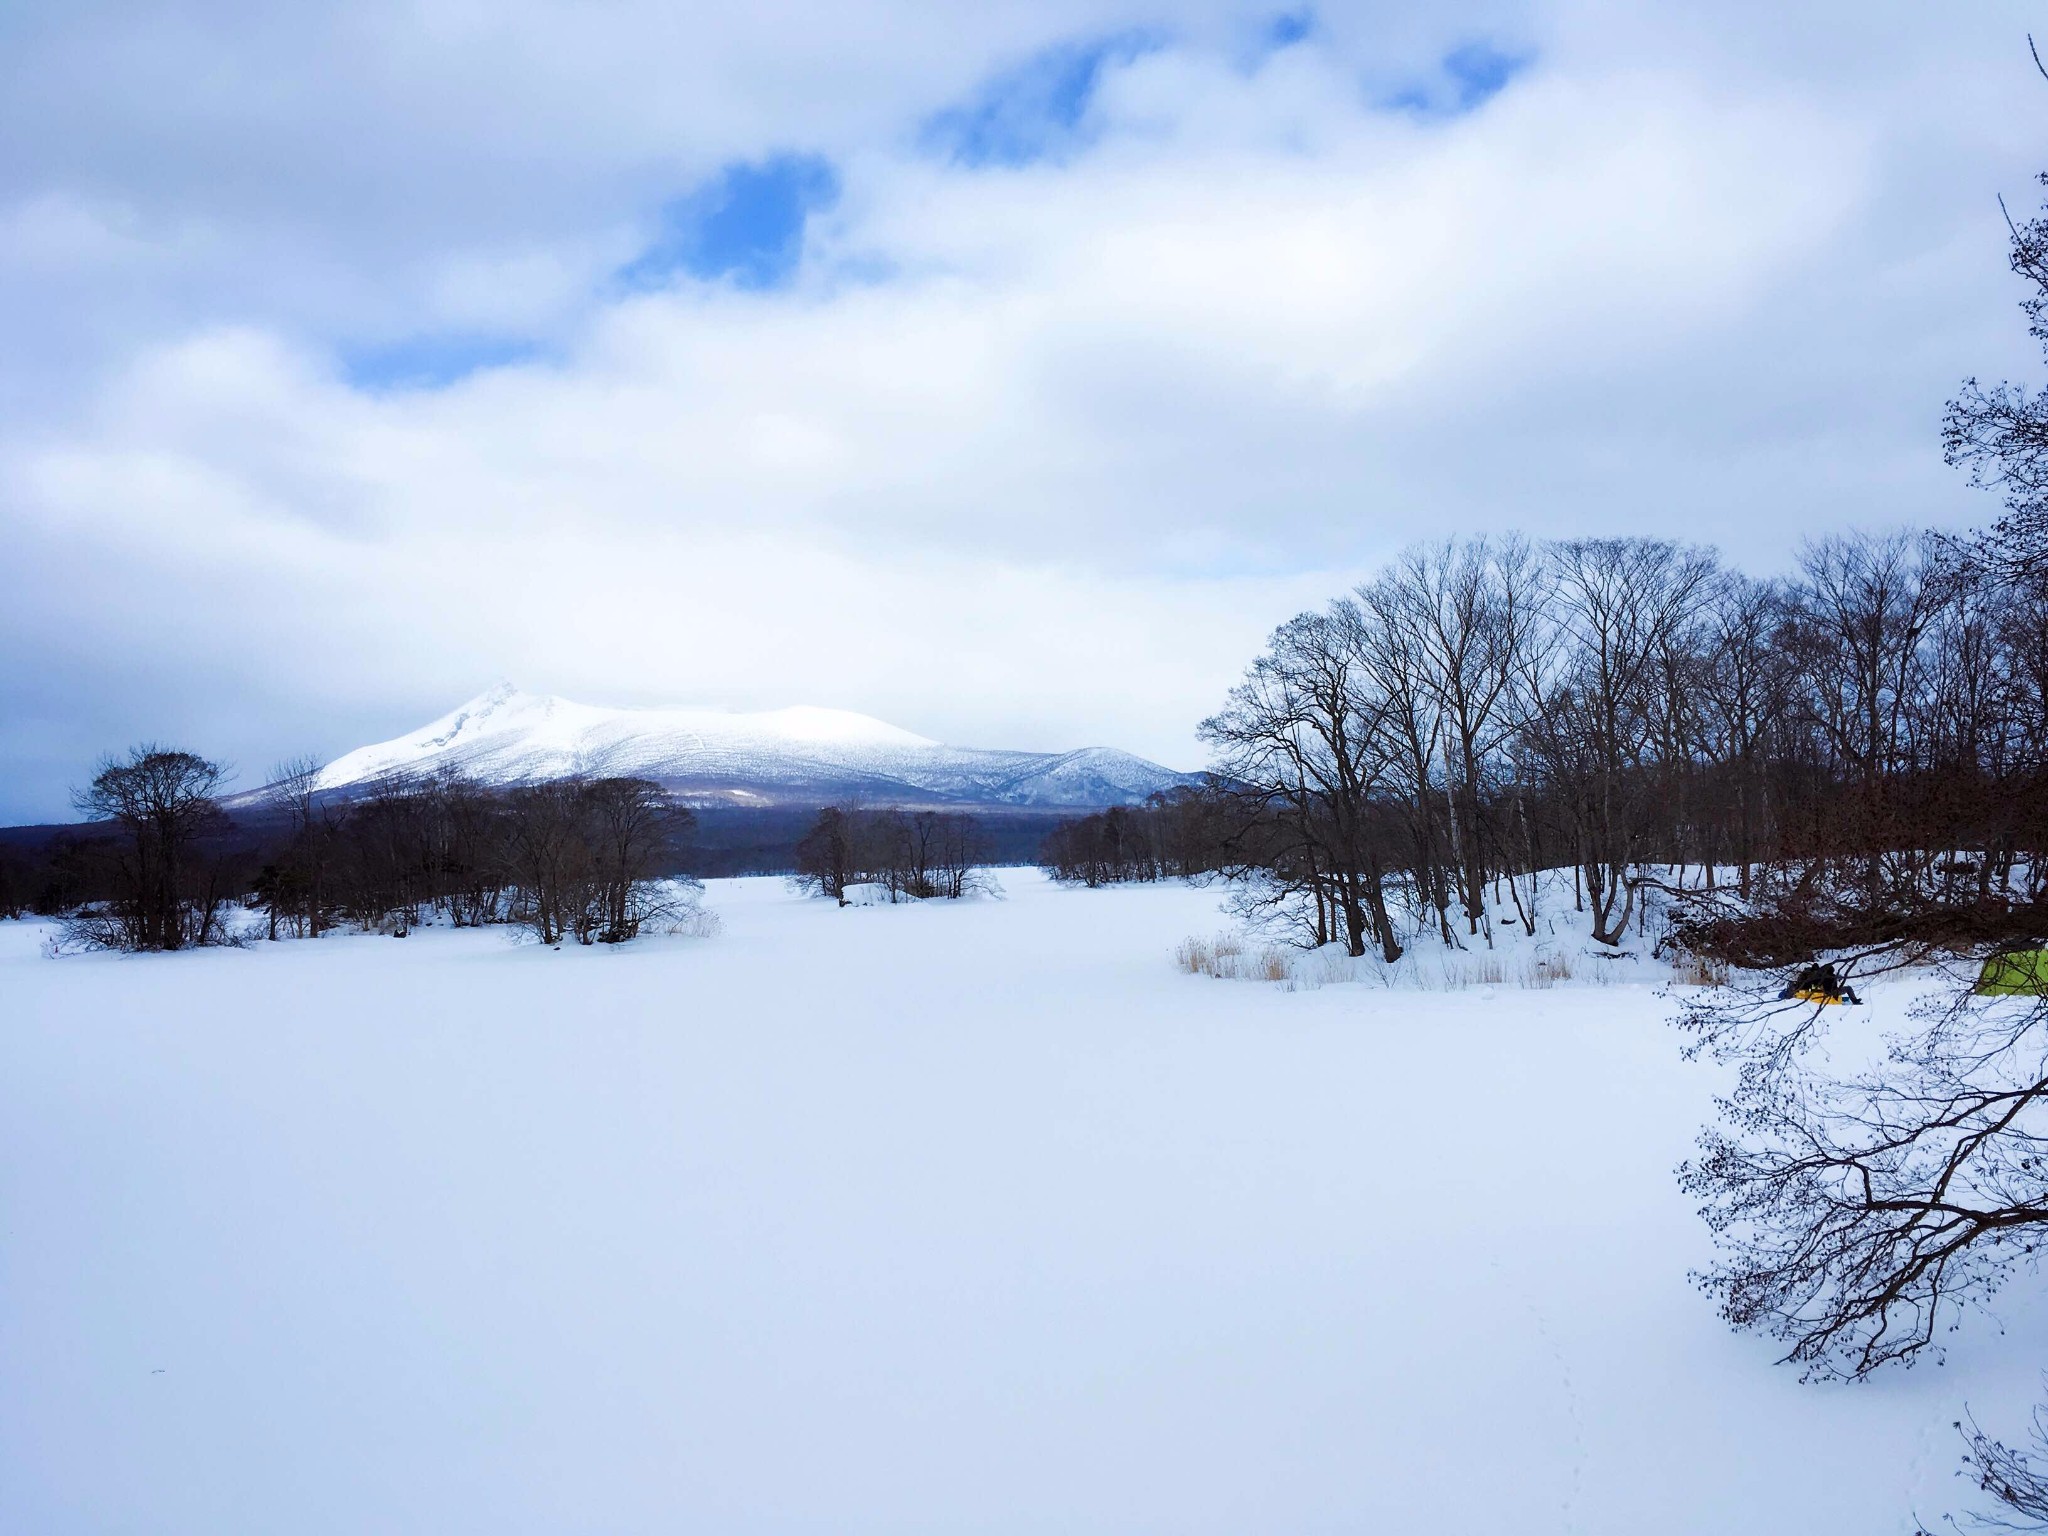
(730,840)
(913,855)
(56,868)
(60,872)
(14,887)
(1176,834)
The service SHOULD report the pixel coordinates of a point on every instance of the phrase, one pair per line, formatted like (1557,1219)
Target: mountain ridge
(795,756)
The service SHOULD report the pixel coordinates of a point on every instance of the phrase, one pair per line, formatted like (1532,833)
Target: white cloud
(1026,456)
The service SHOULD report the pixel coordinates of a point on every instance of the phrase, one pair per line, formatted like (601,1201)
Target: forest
(1857,747)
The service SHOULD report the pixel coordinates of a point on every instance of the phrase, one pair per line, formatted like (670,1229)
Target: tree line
(1865,736)
(1177,834)
(585,858)
(160,863)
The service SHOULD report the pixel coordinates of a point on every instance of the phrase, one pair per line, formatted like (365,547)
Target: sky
(1006,371)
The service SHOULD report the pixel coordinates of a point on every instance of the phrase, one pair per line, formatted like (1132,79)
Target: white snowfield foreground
(959,1217)
(505,736)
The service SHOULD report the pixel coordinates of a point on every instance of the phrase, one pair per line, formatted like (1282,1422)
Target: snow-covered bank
(961,1216)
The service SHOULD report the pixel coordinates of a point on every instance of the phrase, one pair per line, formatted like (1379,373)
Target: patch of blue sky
(432,361)
(1287,28)
(744,226)
(1480,72)
(1469,76)
(1034,111)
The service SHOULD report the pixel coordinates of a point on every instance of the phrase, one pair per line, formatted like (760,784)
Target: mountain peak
(804,754)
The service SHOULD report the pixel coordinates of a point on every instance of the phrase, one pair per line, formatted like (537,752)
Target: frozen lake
(972,1217)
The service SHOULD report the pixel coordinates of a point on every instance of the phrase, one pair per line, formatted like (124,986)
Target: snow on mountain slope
(505,736)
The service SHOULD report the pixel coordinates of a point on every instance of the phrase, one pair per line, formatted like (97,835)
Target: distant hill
(787,757)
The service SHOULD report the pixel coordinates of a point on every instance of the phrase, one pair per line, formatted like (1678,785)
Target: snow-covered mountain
(784,756)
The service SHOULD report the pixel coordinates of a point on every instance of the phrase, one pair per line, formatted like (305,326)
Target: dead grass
(1227,957)
(1241,957)
(1692,969)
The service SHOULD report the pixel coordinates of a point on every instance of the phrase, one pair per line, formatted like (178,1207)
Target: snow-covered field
(954,1218)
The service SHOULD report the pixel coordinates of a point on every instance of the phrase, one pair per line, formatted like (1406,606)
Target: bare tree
(1619,601)
(1867,606)
(1743,695)
(913,855)
(294,887)
(549,858)
(953,851)
(1857,1209)
(165,895)
(631,825)
(474,864)
(1389,637)
(1999,432)
(825,861)
(1473,621)
(1304,732)
(2015,1477)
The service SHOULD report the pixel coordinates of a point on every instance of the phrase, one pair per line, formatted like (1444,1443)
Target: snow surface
(936,1218)
(506,735)
(540,734)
